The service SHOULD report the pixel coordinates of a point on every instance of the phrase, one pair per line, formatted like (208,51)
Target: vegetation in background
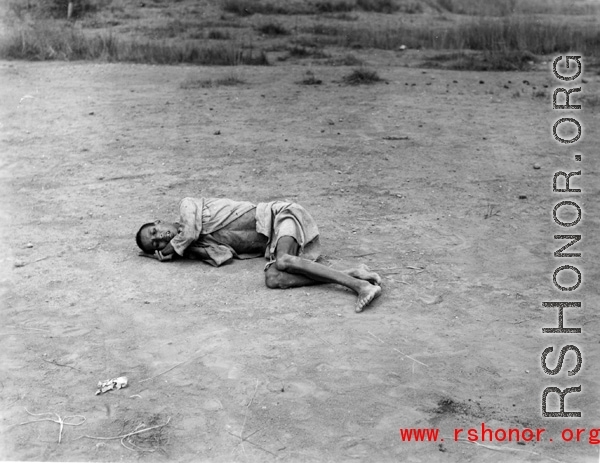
(479,7)
(486,61)
(273,29)
(508,7)
(228,81)
(49,41)
(485,34)
(310,79)
(56,8)
(178,31)
(250,7)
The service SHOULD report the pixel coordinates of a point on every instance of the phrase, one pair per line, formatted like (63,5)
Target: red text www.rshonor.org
(487,434)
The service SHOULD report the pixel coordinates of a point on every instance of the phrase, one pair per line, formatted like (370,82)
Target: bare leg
(278,279)
(290,270)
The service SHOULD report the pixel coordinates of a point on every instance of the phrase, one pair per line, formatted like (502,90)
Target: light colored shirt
(202,216)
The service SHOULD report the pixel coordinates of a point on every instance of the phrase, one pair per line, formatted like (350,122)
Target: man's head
(154,236)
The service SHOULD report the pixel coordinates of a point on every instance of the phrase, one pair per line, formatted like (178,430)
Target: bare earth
(243,373)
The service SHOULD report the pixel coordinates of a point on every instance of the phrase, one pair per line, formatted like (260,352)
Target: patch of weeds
(479,7)
(323,29)
(377,6)
(486,61)
(304,41)
(412,7)
(448,406)
(334,6)
(95,23)
(346,60)
(146,434)
(57,42)
(172,29)
(56,8)
(362,76)
(229,81)
(304,52)
(299,52)
(219,35)
(239,7)
(250,7)
(273,29)
(342,16)
(310,79)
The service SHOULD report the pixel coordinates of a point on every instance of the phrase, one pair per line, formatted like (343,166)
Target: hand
(159,255)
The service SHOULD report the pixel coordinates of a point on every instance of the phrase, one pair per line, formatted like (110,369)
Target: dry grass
(485,34)
(273,29)
(346,60)
(362,76)
(483,61)
(310,79)
(55,8)
(228,33)
(521,7)
(219,35)
(47,41)
(228,81)
(297,51)
(251,7)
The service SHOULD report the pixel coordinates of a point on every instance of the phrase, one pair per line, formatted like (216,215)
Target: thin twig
(246,415)
(252,443)
(23,264)
(59,420)
(123,436)
(60,364)
(363,255)
(169,369)
(399,351)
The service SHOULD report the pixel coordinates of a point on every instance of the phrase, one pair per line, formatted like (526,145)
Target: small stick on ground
(123,436)
(172,368)
(491,211)
(246,414)
(23,264)
(59,420)
(362,255)
(60,364)
(399,351)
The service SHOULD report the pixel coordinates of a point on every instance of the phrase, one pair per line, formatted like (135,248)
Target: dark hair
(138,237)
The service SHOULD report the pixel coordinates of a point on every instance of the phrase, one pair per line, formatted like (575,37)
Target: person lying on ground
(216,230)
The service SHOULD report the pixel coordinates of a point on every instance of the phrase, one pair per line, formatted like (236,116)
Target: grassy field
(504,34)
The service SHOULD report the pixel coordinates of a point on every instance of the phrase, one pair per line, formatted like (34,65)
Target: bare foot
(362,272)
(366,295)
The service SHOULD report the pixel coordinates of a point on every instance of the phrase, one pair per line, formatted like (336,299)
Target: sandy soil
(91,151)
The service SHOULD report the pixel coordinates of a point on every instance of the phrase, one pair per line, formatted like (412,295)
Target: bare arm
(196,253)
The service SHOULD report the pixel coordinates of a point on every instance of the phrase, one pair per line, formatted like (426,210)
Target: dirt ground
(428,178)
